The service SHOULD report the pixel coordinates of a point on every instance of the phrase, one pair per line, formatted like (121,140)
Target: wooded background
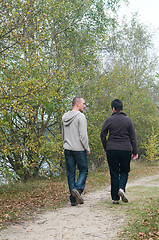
(52,51)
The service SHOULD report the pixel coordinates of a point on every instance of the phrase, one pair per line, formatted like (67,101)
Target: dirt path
(96,219)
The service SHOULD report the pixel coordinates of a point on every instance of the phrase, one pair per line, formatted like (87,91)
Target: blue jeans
(119,166)
(73,159)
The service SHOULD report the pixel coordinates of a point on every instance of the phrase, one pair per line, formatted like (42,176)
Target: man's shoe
(115,202)
(74,203)
(121,194)
(77,195)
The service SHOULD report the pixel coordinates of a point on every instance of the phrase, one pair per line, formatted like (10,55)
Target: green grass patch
(142,214)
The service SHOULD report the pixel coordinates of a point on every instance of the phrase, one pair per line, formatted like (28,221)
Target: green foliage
(129,74)
(51,51)
(152,147)
(47,51)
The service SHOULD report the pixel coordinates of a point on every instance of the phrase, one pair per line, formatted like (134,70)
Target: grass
(20,202)
(143,211)
(142,214)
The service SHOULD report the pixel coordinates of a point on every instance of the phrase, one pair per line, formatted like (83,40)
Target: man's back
(74,131)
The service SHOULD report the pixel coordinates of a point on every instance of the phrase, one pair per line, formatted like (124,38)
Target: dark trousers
(119,166)
(73,159)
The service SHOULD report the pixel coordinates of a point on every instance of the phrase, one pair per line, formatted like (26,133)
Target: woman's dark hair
(117,104)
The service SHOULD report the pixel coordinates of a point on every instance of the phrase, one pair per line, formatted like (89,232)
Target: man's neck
(75,109)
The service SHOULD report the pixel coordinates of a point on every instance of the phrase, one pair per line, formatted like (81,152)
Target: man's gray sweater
(74,131)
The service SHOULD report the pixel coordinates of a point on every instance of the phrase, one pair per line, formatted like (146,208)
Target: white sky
(148,11)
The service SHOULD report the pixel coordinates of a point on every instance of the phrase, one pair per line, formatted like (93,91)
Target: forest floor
(96,219)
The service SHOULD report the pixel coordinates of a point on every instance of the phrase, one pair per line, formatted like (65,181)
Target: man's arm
(62,131)
(83,133)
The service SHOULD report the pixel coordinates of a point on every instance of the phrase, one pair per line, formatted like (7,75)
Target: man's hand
(87,153)
(134,156)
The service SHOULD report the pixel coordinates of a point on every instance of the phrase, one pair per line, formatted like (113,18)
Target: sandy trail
(95,219)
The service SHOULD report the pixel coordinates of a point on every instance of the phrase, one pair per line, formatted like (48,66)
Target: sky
(148,9)
(148,12)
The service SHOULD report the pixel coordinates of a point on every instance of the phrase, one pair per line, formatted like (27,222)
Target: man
(120,147)
(76,149)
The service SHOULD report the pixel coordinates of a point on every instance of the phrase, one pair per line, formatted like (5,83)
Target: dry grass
(21,201)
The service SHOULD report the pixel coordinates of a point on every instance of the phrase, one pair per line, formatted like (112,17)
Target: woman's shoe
(74,203)
(115,202)
(123,196)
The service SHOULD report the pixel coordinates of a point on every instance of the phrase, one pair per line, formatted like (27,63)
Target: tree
(47,51)
(128,73)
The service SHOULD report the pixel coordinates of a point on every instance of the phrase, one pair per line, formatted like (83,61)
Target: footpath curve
(96,219)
